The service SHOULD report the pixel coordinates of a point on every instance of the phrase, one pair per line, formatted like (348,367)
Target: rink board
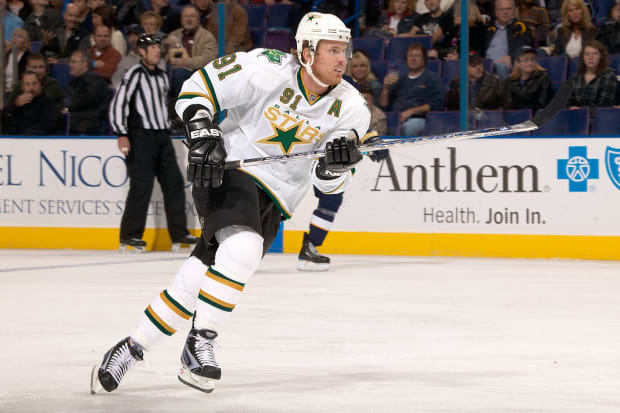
(503,197)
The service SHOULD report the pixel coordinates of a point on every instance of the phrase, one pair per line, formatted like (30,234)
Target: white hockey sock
(236,259)
(173,307)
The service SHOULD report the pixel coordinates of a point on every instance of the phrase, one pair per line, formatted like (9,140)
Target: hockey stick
(543,116)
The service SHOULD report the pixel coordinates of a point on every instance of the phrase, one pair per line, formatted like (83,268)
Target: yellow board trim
(376,243)
(463,245)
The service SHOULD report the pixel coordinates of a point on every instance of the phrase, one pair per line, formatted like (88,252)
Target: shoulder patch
(274,56)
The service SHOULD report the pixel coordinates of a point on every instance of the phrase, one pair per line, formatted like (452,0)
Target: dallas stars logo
(286,138)
(274,56)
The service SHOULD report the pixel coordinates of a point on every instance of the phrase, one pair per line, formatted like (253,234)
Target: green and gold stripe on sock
(175,306)
(159,323)
(222,279)
(215,302)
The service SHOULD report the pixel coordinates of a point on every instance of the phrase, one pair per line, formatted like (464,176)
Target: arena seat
(379,68)
(60,72)
(279,39)
(393,123)
(606,122)
(373,46)
(495,118)
(451,69)
(397,47)
(441,122)
(557,67)
(278,15)
(258,36)
(257,15)
(567,122)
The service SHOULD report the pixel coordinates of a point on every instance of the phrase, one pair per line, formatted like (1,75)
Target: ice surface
(374,334)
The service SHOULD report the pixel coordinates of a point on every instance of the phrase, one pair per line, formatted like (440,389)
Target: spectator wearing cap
(594,84)
(505,36)
(139,117)
(190,48)
(529,84)
(413,94)
(105,57)
(133,57)
(486,90)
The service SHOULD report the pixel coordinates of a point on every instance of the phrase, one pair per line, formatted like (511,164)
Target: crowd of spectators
(89,45)
(96,40)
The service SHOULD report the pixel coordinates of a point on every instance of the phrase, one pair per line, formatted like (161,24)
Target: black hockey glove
(342,154)
(206,152)
(371,139)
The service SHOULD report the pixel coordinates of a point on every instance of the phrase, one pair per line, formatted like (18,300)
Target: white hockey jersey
(270,112)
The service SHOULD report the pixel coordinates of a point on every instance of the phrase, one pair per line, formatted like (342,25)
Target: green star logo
(286,138)
(274,56)
(311,17)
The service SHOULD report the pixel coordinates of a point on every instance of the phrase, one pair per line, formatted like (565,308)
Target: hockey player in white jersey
(276,104)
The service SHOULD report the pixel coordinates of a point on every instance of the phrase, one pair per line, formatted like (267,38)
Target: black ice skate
(198,365)
(132,244)
(185,244)
(116,362)
(309,257)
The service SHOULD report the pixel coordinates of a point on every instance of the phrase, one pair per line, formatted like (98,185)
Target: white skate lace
(120,362)
(204,351)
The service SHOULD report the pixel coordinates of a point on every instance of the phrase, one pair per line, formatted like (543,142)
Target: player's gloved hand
(206,152)
(373,138)
(342,153)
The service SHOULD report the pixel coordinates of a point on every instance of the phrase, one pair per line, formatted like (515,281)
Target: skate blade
(95,386)
(129,249)
(192,380)
(305,265)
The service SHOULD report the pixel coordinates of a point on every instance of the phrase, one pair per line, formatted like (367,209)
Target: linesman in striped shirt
(139,117)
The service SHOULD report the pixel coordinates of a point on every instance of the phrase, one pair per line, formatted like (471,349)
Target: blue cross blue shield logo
(578,168)
(612,162)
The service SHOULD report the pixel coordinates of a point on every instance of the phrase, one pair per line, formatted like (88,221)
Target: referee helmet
(145,40)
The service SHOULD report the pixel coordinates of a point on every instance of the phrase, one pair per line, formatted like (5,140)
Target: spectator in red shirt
(105,57)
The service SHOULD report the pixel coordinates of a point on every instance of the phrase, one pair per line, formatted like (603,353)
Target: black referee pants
(152,156)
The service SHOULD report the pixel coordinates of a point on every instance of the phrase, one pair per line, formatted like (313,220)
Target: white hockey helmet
(315,27)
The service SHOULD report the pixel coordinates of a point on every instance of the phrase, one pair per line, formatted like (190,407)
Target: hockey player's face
(330,61)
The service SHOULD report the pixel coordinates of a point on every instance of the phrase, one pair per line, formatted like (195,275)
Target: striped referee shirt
(140,101)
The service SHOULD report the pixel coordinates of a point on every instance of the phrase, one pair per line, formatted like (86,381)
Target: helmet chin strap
(308,67)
